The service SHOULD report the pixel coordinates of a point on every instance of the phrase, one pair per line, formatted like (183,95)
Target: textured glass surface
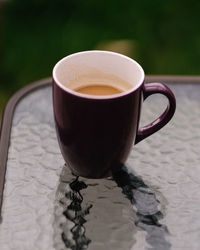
(152,203)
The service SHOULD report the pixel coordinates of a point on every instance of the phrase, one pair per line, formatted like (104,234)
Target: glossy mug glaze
(96,133)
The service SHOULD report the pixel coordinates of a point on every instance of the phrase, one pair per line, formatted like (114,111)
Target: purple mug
(95,133)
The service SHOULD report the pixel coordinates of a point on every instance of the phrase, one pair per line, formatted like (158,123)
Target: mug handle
(157,88)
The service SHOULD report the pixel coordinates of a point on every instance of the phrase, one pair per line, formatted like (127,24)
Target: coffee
(98,90)
(99,84)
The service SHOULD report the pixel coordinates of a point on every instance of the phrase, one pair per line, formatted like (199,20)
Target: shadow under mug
(96,133)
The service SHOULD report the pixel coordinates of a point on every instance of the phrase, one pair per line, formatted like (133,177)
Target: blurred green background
(163,36)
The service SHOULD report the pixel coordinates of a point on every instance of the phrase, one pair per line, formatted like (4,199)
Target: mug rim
(98,97)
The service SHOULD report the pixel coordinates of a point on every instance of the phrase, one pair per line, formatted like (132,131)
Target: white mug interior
(93,62)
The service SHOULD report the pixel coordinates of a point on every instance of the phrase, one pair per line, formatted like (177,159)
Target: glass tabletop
(152,203)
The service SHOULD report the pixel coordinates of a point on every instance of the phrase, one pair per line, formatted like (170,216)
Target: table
(152,203)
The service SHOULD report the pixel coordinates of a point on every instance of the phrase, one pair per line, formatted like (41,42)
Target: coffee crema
(99,84)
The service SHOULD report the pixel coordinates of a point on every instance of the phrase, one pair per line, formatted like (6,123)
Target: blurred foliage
(35,34)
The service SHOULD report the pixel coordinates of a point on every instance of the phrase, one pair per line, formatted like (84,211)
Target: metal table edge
(10,107)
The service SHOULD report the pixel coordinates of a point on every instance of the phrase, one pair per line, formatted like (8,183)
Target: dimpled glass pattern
(152,203)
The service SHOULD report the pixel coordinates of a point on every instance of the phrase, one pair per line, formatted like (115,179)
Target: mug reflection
(93,212)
